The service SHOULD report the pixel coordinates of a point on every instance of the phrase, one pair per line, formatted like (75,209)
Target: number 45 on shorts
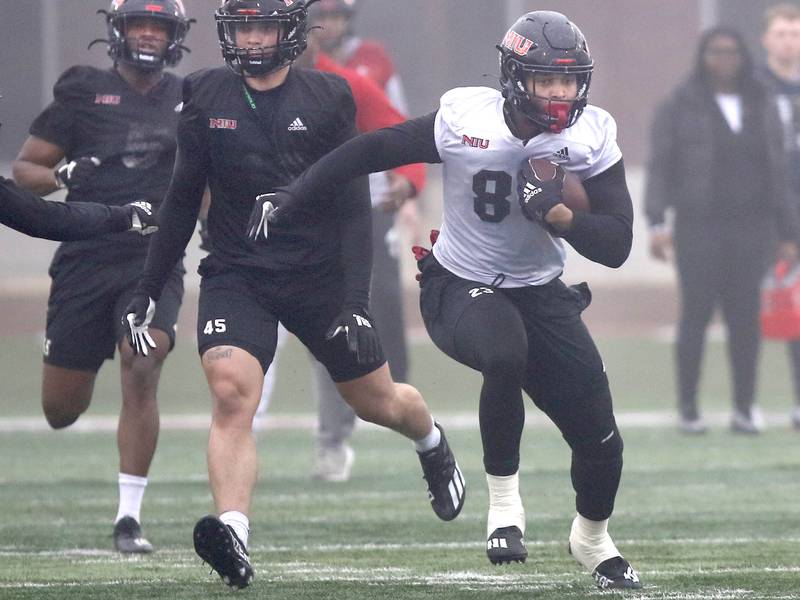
(215,326)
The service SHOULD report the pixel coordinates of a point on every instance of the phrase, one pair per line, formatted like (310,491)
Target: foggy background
(641,48)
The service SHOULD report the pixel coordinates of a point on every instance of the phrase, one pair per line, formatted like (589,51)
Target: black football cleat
(616,574)
(446,486)
(128,537)
(220,547)
(506,545)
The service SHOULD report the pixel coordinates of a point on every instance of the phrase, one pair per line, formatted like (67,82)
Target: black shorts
(86,306)
(562,360)
(241,307)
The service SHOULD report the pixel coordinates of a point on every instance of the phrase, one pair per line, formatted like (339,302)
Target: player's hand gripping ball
(541,185)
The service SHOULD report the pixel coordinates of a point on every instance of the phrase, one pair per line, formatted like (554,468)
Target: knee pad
(599,450)
(599,440)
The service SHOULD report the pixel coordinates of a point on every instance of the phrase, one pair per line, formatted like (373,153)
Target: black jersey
(97,113)
(243,143)
(252,149)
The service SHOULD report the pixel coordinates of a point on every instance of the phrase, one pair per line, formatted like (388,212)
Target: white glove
(138,316)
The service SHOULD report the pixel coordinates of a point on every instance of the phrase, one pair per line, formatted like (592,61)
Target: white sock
(131,492)
(430,441)
(590,543)
(239,523)
(505,503)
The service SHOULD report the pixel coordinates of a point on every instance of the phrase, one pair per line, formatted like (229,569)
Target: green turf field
(640,371)
(710,517)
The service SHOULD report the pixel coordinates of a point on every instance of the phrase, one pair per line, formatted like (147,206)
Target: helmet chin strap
(264,68)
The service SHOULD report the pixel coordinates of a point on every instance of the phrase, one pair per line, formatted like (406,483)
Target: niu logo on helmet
(517,43)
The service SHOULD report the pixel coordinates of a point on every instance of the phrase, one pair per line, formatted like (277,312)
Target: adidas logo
(297,125)
(560,155)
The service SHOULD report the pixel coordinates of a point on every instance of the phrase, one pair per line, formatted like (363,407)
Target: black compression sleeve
(406,143)
(355,231)
(177,218)
(58,221)
(605,235)
(178,214)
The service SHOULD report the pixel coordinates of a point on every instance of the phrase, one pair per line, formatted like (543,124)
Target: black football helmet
(290,15)
(171,12)
(545,42)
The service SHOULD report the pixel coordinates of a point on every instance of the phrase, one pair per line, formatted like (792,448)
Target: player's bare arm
(34,167)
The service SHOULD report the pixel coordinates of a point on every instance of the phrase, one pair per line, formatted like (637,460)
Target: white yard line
(530,581)
(93,553)
(308,421)
(85,584)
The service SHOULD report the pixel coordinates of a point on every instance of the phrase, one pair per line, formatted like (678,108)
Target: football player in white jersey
(491,294)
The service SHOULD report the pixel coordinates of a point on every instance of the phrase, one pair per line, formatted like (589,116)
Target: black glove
(258,225)
(278,207)
(138,316)
(537,196)
(77,173)
(362,339)
(143,219)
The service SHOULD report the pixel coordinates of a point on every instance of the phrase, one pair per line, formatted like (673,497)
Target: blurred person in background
(369,57)
(115,128)
(781,74)
(362,62)
(716,162)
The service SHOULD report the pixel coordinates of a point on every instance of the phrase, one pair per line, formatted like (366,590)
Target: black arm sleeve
(406,143)
(605,235)
(58,221)
(355,231)
(178,213)
(354,219)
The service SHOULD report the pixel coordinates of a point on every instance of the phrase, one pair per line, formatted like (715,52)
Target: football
(574,194)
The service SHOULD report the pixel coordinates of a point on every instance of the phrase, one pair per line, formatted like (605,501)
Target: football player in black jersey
(115,131)
(246,129)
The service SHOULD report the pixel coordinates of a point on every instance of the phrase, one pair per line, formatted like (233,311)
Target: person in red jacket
(366,56)
(389,191)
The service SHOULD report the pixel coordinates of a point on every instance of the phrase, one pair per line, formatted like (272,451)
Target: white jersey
(484,234)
